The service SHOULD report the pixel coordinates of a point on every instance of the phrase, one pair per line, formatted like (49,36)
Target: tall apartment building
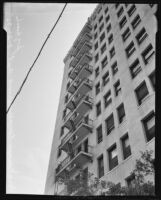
(106,113)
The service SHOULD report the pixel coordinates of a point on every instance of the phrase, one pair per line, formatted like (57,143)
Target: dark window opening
(141,92)
(110,124)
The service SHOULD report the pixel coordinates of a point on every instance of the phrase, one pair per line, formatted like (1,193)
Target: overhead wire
(25,79)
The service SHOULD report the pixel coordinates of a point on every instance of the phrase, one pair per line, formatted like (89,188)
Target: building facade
(106,113)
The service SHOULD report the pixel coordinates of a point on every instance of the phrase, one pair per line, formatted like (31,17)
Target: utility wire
(18,92)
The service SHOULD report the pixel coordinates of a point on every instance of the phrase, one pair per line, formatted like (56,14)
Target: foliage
(94,186)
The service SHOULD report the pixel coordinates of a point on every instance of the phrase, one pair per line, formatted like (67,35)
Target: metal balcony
(86,29)
(85,38)
(83,128)
(79,159)
(82,59)
(81,72)
(75,116)
(84,48)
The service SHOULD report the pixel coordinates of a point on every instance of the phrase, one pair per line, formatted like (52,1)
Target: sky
(31,119)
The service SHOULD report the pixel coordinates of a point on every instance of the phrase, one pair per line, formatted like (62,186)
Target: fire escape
(79,101)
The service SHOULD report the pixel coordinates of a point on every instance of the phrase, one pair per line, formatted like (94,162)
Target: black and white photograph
(80,98)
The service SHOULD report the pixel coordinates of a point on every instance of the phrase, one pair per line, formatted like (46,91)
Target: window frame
(99,134)
(113,162)
(144,54)
(121,115)
(112,52)
(136,21)
(140,100)
(116,85)
(131,10)
(100,168)
(97,88)
(122,22)
(98,111)
(130,49)
(148,117)
(133,66)
(152,79)
(104,62)
(112,67)
(126,34)
(125,150)
(141,36)
(107,99)
(104,77)
(109,129)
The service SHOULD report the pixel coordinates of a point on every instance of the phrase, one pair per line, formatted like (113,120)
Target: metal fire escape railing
(69,159)
(88,122)
(84,98)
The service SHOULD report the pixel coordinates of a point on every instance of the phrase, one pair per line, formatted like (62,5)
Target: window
(140,37)
(109,28)
(110,124)
(105,78)
(136,21)
(99,10)
(126,146)
(107,98)
(97,88)
(152,79)
(123,22)
(96,57)
(147,54)
(96,46)
(106,10)
(101,27)
(121,113)
(110,38)
(95,35)
(120,12)
(66,98)
(130,49)
(100,19)
(107,18)
(103,48)
(131,181)
(113,160)
(104,62)
(64,113)
(131,10)
(59,153)
(141,92)
(149,126)
(102,37)
(135,68)
(117,88)
(99,134)
(112,52)
(95,27)
(68,84)
(126,34)
(97,72)
(114,68)
(98,109)
(116,5)
(62,131)
(100,166)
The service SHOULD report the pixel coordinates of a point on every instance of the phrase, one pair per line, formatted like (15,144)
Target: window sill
(125,160)
(150,141)
(122,123)
(112,169)
(145,99)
